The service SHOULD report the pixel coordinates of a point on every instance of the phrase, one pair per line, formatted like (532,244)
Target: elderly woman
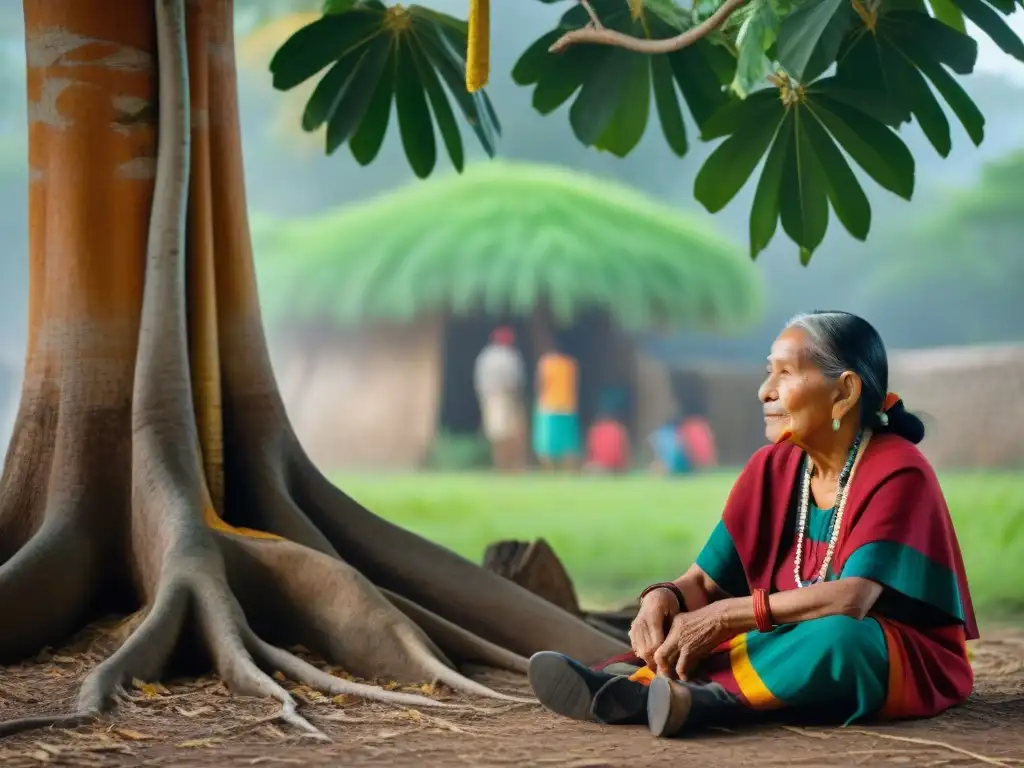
(833,585)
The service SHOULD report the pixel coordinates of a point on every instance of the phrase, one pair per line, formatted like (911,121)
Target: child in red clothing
(608,446)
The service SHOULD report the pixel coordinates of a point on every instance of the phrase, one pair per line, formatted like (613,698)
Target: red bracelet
(671,588)
(762,611)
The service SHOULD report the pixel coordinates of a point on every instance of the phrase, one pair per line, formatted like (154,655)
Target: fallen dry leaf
(197,743)
(63,660)
(41,755)
(193,712)
(149,690)
(130,735)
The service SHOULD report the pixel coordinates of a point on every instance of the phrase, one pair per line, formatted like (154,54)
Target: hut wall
(366,398)
(969,397)
(654,401)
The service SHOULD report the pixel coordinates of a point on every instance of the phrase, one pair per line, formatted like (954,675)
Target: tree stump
(534,566)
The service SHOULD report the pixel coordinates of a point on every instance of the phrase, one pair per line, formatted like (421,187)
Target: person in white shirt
(499,377)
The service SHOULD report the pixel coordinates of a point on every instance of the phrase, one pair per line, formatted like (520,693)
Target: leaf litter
(197,722)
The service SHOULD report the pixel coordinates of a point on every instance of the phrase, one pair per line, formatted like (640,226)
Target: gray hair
(840,342)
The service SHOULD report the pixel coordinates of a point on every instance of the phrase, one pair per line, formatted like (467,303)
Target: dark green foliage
(800,89)
(612,86)
(375,56)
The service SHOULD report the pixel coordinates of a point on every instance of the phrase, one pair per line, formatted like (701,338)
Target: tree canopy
(513,234)
(802,86)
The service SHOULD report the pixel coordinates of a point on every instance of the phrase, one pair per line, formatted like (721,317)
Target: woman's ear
(848,390)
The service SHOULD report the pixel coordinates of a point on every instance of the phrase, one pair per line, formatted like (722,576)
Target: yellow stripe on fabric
(749,682)
(643,675)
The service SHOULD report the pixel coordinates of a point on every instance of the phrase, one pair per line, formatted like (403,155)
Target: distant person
(556,429)
(608,449)
(698,442)
(499,377)
(670,457)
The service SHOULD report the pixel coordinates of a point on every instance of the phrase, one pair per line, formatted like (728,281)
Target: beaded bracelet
(671,588)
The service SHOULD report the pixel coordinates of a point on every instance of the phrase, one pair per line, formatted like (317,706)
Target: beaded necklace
(836,524)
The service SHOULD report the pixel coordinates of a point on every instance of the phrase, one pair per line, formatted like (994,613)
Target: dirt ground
(197,723)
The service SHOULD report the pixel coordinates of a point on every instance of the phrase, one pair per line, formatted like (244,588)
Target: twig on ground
(599,35)
(929,743)
(905,739)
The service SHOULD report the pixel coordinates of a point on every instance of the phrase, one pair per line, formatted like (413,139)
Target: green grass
(615,535)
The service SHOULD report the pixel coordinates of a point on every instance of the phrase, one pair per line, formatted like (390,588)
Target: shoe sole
(667,709)
(558,686)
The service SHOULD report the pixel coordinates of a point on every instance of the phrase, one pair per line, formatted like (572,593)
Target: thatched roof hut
(382,307)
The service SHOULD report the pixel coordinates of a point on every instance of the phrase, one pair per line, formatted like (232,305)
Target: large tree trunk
(152,461)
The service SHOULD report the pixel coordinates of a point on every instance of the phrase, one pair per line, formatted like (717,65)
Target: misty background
(288,175)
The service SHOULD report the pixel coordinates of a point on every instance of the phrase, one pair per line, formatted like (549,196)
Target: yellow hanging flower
(478,53)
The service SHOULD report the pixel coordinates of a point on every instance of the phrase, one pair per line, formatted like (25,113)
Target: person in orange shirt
(556,430)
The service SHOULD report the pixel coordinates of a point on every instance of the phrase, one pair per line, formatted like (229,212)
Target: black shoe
(668,707)
(563,685)
(620,701)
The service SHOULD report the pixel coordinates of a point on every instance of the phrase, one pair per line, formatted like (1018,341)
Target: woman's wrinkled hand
(647,632)
(691,639)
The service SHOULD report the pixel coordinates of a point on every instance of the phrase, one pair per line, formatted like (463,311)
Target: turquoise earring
(836,424)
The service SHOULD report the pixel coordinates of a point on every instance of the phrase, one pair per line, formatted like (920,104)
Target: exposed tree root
(458,642)
(23,724)
(437,579)
(58,562)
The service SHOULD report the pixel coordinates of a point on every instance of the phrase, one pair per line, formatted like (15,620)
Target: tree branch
(598,35)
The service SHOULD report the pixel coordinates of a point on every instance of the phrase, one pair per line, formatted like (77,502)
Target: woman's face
(799,402)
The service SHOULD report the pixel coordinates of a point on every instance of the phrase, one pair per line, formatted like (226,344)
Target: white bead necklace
(842,494)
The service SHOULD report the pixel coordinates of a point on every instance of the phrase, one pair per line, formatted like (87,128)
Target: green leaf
(630,118)
(339,6)
(844,191)
(921,54)
(667,102)
(761,105)
(993,26)
(727,168)
(764,213)
(871,102)
(591,113)
(414,123)
(698,80)
(352,104)
(318,44)
(806,29)
(443,113)
(804,203)
(963,106)
(932,39)
(566,74)
(860,69)
(756,35)
(873,146)
(452,69)
(670,12)
(330,90)
(369,136)
(912,87)
(536,59)
(947,12)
